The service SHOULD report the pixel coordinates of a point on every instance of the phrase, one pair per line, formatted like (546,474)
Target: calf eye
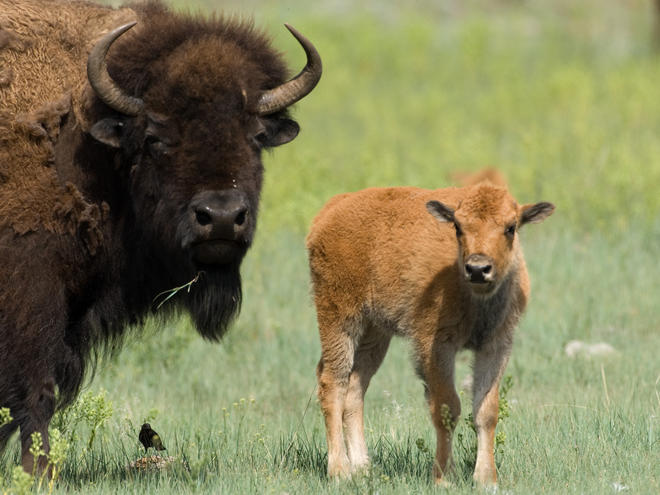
(510,230)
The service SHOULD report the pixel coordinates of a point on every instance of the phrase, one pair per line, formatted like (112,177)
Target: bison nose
(220,215)
(479,269)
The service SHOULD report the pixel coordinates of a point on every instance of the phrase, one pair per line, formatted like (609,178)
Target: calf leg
(333,371)
(368,358)
(436,366)
(489,366)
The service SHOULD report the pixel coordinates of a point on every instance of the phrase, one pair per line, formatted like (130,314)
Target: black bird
(149,438)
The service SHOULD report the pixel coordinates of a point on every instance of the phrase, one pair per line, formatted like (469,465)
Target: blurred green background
(561,96)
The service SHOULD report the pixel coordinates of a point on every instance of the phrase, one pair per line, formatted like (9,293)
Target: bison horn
(97,73)
(278,98)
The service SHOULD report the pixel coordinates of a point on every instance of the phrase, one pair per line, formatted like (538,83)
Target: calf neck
(443,268)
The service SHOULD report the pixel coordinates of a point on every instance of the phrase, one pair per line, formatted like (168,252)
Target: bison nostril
(468,269)
(486,269)
(240,218)
(203,218)
(220,215)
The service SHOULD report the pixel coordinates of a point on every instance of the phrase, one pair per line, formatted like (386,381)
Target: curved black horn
(278,98)
(97,74)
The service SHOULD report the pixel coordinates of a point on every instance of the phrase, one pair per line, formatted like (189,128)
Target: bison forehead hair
(169,61)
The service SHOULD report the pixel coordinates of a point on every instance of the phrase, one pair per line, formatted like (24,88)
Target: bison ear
(108,131)
(277,131)
(536,213)
(440,211)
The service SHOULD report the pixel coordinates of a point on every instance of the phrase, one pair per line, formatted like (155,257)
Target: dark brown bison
(441,267)
(130,164)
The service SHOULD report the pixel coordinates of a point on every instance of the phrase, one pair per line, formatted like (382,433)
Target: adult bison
(452,279)
(130,164)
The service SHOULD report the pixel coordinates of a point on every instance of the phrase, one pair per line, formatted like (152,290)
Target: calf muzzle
(479,269)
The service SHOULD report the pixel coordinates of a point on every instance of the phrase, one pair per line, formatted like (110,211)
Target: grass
(564,100)
(243,415)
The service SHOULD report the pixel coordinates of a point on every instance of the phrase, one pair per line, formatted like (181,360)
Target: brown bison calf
(455,278)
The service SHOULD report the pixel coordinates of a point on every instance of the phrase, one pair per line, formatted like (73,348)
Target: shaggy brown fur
(33,100)
(101,211)
(382,265)
(32,44)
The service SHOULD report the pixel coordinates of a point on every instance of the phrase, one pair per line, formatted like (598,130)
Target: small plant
(37,451)
(5,416)
(503,412)
(151,415)
(97,410)
(56,455)
(172,292)
(92,410)
(21,482)
(422,447)
(467,442)
(505,386)
(445,415)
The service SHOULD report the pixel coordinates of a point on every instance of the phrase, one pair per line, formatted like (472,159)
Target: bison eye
(155,146)
(261,139)
(510,230)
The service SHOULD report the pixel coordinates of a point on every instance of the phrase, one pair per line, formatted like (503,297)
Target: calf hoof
(339,469)
(361,468)
(485,478)
(443,483)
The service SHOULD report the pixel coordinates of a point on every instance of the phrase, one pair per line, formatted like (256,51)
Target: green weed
(5,416)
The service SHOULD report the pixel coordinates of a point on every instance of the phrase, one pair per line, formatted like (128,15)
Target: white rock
(577,347)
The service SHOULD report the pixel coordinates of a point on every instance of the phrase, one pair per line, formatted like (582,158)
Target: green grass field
(564,98)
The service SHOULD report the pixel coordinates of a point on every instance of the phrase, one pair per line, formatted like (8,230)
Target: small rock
(576,348)
(466,383)
(619,487)
(151,463)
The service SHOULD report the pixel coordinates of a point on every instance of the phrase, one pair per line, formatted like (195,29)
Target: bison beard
(214,300)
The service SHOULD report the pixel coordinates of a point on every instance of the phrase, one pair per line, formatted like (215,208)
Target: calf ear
(536,213)
(440,211)
(277,131)
(108,131)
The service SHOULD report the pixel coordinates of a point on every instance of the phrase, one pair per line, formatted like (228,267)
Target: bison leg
(368,358)
(436,366)
(489,366)
(37,420)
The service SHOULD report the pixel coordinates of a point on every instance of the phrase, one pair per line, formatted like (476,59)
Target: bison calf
(455,278)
